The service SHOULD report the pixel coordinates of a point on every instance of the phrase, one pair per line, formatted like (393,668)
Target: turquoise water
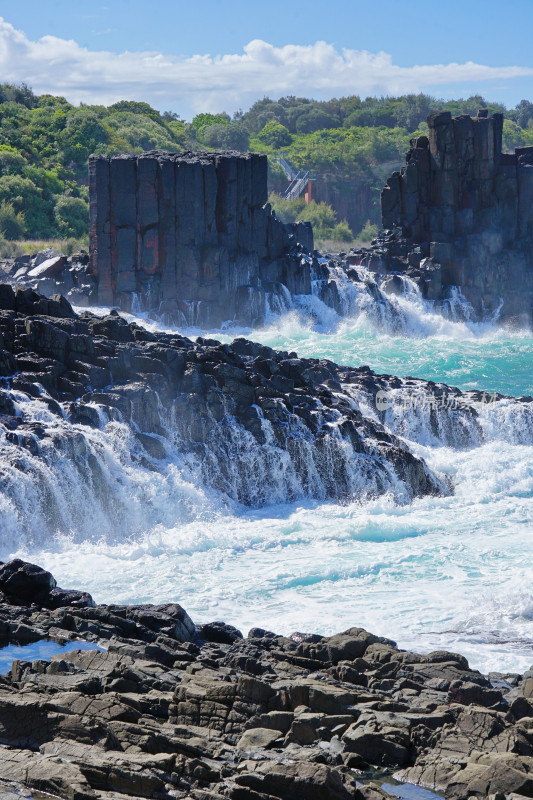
(468,356)
(448,572)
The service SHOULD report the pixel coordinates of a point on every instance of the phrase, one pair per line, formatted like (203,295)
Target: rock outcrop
(259,425)
(252,417)
(166,710)
(190,236)
(460,214)
(50,272)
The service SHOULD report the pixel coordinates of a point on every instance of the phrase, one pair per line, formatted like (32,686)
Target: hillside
(351,144)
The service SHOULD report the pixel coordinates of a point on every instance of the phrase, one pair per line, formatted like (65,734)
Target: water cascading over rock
(101,414)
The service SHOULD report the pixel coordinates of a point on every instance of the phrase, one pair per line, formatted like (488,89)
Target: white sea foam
(449,572)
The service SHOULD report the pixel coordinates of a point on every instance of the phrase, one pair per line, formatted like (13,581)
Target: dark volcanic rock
(237,409)
(459,215)
(26,582)
(263,718)
(190,235)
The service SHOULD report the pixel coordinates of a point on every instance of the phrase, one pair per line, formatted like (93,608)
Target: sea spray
(437,572)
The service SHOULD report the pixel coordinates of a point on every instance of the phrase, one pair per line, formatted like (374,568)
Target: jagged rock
(220,632)
(157,715)
(26,582)
(299,781)
(216,398)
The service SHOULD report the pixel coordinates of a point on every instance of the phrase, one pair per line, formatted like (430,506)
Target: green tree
(18,93)
(275,135)
(83,133)
(71,216)
(11,161)
(314,119)
(227,137)
(139,131)
(12,224)
(30,200)
(515,136)
(202,121)
(524,113)
(134,107)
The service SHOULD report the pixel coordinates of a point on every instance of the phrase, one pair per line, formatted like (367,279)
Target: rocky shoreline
(167,709)
(259,425)
(248,415)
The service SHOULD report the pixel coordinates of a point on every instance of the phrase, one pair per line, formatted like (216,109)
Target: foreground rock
(168,710)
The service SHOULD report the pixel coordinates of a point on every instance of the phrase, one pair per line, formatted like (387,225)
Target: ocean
(438,573)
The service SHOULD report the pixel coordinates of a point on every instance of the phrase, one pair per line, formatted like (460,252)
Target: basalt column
(468,208)
(189,235)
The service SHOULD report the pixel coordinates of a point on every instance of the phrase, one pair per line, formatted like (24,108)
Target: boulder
(26,582)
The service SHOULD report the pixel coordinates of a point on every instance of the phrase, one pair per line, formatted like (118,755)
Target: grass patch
(13,249)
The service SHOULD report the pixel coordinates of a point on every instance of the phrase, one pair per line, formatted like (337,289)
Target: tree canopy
(45,142)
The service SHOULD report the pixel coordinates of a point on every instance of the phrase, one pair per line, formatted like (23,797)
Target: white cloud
(213,83)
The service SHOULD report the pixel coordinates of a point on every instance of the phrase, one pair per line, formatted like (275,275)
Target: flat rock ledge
(166,709)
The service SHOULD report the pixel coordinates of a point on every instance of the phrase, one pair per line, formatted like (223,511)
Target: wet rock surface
(242,410)
(166,712)
(260,425)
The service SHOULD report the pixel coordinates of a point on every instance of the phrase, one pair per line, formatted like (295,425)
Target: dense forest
(45,142)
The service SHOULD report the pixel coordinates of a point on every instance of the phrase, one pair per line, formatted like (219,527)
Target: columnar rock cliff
(467,208)
(190,234)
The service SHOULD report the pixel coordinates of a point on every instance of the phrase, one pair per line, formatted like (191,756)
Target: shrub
(12,224)
(275,135)
(321,216)
(342,232)
(72,216)
(9,249)
(286,210)
(11,161)
(368,233)
(28,198)
(202,121)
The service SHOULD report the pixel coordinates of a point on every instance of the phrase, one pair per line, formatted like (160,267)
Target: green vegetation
(45,142)
(322,217)
(44,146)
(12,248)
(368,232)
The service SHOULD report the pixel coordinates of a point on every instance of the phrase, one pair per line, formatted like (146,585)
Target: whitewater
(449,572)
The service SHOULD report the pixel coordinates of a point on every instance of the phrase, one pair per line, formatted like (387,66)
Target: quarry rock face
(460,213)
(190,235)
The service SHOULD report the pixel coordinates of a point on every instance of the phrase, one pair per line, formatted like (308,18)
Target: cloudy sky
(224,54)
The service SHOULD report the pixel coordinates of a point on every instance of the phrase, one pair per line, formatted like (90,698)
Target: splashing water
(442,572)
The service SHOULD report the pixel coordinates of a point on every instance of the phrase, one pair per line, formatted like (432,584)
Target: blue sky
(223,55)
